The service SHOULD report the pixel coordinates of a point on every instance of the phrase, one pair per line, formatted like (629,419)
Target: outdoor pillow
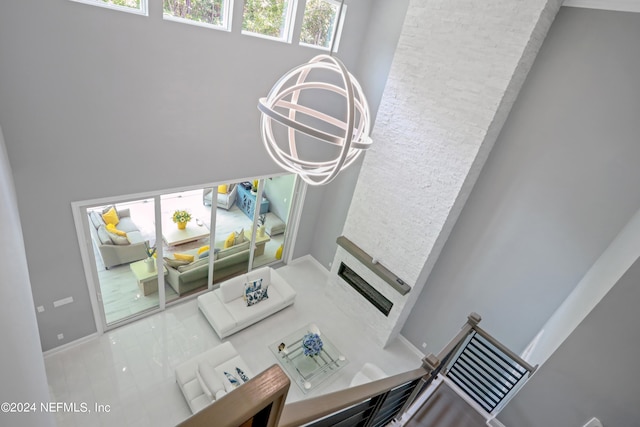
(112,229)
(111,216)
(184,257)
(174,263)
(230,240)
(202,249)
(239,237)
(222,189)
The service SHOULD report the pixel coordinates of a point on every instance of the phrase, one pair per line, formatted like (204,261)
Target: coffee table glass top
(305,370)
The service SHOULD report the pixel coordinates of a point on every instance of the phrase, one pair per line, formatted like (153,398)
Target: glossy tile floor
(131,369)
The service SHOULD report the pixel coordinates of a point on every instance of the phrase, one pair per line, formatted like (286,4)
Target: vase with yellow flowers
(181,217)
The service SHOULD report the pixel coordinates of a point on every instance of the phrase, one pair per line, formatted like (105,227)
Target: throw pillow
(112,229)
(256,296)
(118,240)
(239,237)
(222,189)
(242,375)
(251,287)
(203,249)
(111,216)
(174,263)
(230,240)
(184,257)
(203,255)
(233,380)
(279,252)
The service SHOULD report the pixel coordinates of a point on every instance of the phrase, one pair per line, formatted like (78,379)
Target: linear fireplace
(365,289)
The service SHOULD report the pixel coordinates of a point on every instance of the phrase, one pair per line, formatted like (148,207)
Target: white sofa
(202,379)
(227,311)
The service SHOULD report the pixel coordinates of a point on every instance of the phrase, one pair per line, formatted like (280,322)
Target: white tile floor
(131,369)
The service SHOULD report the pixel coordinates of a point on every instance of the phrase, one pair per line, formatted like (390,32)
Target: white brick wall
(456,72)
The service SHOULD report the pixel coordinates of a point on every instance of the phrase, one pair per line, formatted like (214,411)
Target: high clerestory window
(318,24)
(132,6)
(269,18)
(207,13)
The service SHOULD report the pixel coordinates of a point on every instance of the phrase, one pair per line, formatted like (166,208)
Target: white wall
(97,103)
(601,277)
(21,363)
(559,185)
(456,72)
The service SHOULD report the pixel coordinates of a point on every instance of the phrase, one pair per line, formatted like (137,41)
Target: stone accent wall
(456,73)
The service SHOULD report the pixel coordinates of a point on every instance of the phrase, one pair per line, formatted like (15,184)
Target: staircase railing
(478,364)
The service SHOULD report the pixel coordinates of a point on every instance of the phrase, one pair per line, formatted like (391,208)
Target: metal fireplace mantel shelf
(394,281)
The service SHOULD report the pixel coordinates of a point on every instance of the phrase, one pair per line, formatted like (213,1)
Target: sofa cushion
(210,378)
(203,386)
(175,263)
(232,289)
(135,237)
(193,265)
(118,240)
(103,235)
(127,225)
(96,219)
(244,315)
(233,250)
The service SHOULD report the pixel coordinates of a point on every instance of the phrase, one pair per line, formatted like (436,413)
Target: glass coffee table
(305,370)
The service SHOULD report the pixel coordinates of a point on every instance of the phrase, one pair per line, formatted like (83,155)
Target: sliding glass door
(127,277)
(194,238)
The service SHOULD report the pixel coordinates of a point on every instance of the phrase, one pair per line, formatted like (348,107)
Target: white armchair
(224,200)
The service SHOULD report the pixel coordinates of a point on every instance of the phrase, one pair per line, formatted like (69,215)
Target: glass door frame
(85,242)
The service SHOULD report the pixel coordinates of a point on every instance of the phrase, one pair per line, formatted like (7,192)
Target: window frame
(338,34)
(143,11)
(289,24)
(225,26)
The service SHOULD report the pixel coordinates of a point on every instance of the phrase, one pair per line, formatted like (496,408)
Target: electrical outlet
(40,309)
(60,336)
(593,422)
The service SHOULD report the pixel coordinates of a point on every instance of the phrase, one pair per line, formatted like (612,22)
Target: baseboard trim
(412,347)
(617,5)
(71,344)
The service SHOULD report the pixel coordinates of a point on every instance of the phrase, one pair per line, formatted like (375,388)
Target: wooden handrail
(257,403)
(304,411)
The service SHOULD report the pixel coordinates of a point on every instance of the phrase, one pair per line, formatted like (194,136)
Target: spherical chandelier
(303,125)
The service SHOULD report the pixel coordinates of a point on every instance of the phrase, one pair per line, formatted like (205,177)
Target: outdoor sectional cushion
(273,225)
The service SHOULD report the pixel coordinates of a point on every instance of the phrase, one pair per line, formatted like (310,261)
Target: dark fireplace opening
(365,289)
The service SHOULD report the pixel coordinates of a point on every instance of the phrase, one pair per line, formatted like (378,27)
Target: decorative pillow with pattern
(256,296)
(251,287)
(233,380)
(242,375)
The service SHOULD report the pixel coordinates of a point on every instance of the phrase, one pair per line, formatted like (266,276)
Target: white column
(21,362)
